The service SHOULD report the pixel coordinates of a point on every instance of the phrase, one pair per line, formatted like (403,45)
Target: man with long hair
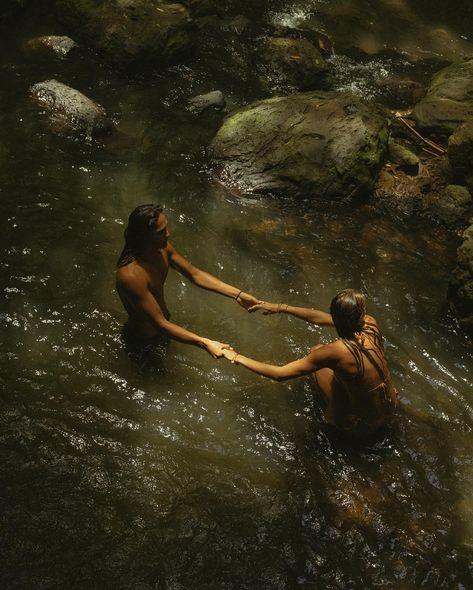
(141,272)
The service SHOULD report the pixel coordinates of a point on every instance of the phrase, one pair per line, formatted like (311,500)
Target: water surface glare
(177,471)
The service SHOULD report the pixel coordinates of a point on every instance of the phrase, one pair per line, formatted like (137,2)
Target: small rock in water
(403,157)
(296,62)
(60,45)
(214,99)
(68,109)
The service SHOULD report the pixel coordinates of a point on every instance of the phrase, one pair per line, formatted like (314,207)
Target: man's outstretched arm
(207,281)
(149,310)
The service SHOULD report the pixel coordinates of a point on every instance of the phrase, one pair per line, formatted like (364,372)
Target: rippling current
(174,471)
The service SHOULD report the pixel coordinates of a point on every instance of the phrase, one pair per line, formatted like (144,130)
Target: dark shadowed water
(176,471)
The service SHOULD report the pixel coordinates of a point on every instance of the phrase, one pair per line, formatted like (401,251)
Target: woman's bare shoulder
(369,319)
(331,349)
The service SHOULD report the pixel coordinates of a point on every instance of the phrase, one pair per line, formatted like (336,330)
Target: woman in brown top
(351,372)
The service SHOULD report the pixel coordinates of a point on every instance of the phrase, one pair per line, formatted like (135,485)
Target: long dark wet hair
(348,310)
(141,223)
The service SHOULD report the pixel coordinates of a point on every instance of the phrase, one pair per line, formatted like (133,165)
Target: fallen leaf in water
(295,56)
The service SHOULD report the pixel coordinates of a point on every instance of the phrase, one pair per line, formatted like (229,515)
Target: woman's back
(363,397)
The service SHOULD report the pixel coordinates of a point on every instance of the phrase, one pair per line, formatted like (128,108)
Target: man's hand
(216,349)
(267,308)
(246,300)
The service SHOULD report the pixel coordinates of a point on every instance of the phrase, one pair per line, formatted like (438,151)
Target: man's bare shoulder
(131,275)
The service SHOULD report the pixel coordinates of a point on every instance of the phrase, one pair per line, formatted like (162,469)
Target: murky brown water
(176,471)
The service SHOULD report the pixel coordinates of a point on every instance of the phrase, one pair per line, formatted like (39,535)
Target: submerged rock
(59,45)
(296,62)
(324,144)
(449,98)
(399,93)
(68,109)
(407,194)
(460,291)
(320,40)
(452,205)
(130,32)
(214,99)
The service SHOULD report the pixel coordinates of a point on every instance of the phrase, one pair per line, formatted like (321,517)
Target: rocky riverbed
(406,150)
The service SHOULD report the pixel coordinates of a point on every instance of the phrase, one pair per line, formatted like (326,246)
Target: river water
(176,471)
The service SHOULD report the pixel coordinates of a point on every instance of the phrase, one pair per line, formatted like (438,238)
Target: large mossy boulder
(130,33)
(460,292)
(449,99)
(68,110)
(325,144)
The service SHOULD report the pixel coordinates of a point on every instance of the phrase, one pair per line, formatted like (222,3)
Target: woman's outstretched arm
(324,356)
(313,316)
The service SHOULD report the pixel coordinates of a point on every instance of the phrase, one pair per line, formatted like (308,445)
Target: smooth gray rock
(69,110)
(324,144)
(59,45)
(403,157)
(214,99)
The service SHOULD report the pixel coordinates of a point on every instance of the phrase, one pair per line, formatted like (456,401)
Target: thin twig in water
(432,144)
(431,152)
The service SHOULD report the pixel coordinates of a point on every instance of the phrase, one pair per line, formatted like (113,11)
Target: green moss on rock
(449,98)
(321,143)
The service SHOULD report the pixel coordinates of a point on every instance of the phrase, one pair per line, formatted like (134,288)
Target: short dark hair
(348,309)
(141,222)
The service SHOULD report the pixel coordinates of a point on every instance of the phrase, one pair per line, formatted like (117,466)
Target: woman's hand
(246,300)
(267,308)
(216,349)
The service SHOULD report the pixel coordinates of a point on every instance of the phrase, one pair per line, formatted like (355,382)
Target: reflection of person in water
(351,372)
(141,273)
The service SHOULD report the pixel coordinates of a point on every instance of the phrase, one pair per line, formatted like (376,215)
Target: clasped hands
(251,304)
